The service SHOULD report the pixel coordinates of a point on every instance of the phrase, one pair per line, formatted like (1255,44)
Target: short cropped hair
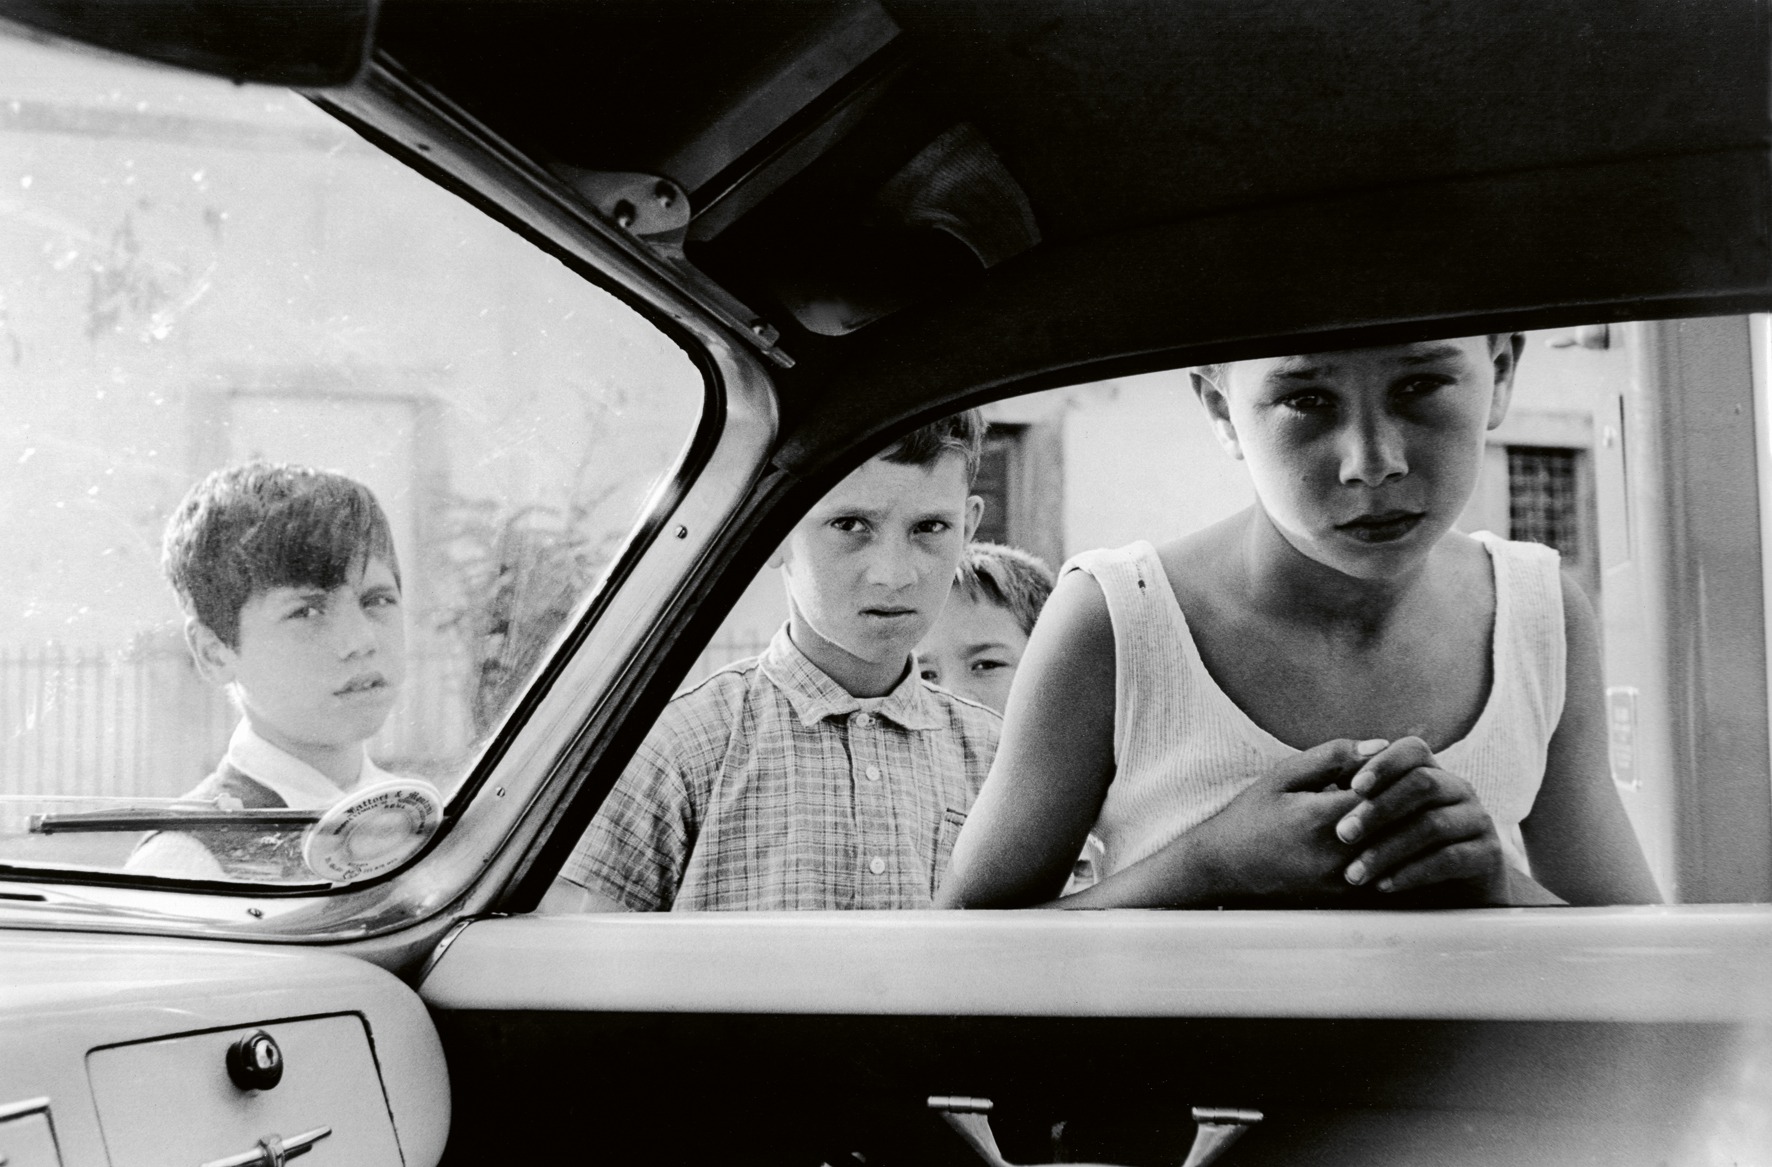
(1214,374)
(961,433)
(246,529)
(1008,577)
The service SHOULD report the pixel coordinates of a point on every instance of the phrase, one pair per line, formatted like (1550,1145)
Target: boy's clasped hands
(1345,818)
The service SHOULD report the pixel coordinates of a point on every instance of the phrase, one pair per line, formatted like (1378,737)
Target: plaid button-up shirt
(767,786)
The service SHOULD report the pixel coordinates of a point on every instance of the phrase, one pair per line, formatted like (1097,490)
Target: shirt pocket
(952,819)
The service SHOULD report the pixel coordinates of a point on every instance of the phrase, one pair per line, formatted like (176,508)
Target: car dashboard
(123,1051)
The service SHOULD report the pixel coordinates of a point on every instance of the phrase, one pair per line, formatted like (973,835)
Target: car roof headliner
(1205,174)
(1120,115)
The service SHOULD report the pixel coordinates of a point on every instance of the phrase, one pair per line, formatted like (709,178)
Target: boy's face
(1364,459)
(315,670)
(869,568)
(973,650)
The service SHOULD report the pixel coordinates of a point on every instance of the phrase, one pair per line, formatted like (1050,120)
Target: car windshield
(309,463)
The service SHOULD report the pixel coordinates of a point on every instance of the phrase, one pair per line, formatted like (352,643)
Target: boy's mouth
(1383,527)
(367,683)
(889,613)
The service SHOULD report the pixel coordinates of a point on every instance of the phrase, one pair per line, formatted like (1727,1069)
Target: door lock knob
(255,1062)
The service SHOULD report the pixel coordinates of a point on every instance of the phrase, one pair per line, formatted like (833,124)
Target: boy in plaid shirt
(824,773)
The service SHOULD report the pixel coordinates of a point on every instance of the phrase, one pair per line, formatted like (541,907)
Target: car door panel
(1616,1035)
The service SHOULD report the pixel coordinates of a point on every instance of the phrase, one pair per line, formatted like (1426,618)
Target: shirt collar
(298,784)
(814,696)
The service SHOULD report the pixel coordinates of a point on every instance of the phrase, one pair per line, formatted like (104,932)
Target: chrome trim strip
(430,124)
(12,1110)
(1649,964)
(441,947)
(273,1151)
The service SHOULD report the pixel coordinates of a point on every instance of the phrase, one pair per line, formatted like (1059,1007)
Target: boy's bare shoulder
(1467,567)
(1197,565)
(1578,606)
(1078,606)
(1074,639)
(1467,549)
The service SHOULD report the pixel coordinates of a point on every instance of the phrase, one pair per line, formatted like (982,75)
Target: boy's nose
(891,566)
(353,632)
(1372,453)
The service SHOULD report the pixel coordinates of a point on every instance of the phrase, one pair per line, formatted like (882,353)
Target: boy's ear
(214,659)
(974,515)
(1218,408)
(1505,359)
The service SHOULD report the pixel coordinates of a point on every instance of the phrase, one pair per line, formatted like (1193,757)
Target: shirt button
(873,773)
(878,866)
(864,719)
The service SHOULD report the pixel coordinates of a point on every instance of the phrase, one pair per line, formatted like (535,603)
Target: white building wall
(1141,462)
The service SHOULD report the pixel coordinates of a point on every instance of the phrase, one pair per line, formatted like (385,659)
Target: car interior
(658,275)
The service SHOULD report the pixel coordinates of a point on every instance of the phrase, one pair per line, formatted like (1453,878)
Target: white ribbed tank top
(1183,748)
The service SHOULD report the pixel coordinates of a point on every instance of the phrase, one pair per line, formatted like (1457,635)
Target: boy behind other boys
(291,592)
(976,645)
(824,773)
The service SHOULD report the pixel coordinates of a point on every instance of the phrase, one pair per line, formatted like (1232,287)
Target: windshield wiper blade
(204,818)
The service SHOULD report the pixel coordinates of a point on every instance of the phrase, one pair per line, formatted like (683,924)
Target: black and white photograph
(886,583)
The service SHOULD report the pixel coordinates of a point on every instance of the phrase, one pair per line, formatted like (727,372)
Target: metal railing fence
(80,720)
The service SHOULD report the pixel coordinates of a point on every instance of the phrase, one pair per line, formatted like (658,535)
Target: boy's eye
(304,612)
(1422,386)
(848,523)
(988,664)
(1307,402)
(931,675)
(381,599)
(933,526)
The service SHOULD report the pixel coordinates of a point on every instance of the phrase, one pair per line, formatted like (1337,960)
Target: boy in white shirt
(291,592)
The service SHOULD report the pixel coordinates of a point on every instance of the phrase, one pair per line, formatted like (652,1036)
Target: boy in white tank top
(1330,698)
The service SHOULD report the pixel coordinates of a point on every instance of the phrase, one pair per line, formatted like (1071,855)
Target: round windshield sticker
(373,830)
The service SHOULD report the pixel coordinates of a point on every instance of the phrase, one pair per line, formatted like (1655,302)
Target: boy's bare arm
(1053,764)
(1577,836)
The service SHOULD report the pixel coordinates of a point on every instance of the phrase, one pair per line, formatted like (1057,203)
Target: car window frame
(562,703)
